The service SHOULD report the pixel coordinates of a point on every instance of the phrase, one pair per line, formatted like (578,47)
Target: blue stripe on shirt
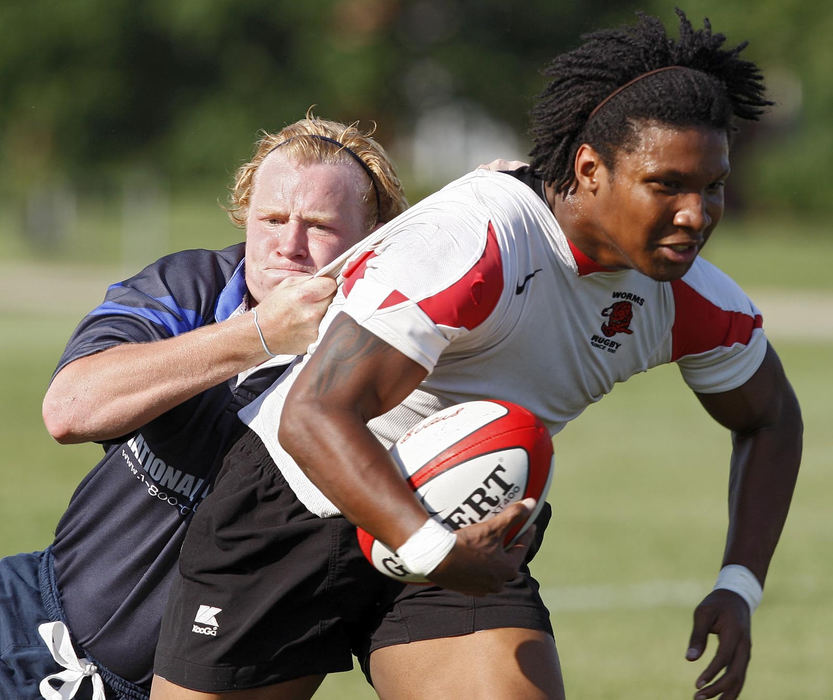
(177,320)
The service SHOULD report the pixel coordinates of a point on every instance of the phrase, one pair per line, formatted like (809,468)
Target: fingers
(518,547)
(529,504)
(703,622)
(733,653)
(513,515)
(311,289)
(290,315)
(481,562)
(727,615)
(502,164)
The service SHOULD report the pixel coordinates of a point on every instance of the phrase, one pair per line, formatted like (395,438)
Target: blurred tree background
(144,101)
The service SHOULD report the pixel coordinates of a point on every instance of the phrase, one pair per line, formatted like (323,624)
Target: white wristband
(423,551)
(740,580)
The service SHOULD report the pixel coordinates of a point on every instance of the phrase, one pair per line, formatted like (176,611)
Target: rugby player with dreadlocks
(543,286)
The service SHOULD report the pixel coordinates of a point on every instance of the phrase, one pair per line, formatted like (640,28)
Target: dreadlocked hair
(712,88)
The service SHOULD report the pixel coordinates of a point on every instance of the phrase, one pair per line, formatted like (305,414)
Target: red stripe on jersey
(586,265)
(355,271)
(393,299)
(470,300)
(465,304)
(699,325)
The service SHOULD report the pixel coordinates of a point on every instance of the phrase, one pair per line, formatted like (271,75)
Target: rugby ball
(466,463)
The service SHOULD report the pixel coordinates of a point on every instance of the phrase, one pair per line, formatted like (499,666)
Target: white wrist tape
(427,547)
(740,580)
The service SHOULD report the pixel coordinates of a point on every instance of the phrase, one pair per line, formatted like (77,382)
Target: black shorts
(269,592)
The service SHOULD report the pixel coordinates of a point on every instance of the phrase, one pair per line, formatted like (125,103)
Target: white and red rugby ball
(466,463)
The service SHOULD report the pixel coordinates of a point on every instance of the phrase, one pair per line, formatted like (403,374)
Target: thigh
(487,665)
(297,689)
(24,658)
(419,613)
(267,592)
(432,642)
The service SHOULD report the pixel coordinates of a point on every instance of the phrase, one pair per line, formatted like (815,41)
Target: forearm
(765,419)
(352,377)
(353,469)
(114,392)
(360,478)
(111,393)
(764,471)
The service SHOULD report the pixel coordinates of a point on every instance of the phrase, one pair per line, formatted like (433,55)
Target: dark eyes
(675,187)
(667,186)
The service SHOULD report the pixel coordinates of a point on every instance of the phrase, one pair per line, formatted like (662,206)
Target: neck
(567,209)
(574,216)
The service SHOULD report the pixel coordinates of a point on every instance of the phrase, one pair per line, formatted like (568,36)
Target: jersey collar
(584,264)
(233,294)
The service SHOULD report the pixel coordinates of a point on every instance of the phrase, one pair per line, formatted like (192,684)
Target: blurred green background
(135,105)
(122,123)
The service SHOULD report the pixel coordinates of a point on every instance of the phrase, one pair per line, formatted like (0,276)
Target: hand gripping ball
(466,463)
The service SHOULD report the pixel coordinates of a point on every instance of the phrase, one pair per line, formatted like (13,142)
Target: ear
(588,167)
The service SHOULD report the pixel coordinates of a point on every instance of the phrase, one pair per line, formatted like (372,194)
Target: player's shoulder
(198,260)
(712,284)
(714,320)
(192,280)
(506,187)
(187,270)
(479,190)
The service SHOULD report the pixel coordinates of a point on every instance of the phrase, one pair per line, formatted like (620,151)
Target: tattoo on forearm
(344,346)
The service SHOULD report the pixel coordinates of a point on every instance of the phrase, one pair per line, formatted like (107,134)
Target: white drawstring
(56,637)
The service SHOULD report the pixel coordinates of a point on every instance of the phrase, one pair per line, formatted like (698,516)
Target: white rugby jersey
(479,285)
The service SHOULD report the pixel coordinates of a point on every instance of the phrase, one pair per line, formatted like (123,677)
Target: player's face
(659,205)
(300,218)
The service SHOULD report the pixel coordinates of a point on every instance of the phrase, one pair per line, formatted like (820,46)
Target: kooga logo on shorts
(206,615)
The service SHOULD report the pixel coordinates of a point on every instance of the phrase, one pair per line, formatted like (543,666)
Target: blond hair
(333,143)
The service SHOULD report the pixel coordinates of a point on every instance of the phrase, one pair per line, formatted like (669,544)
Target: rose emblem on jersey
(619,316)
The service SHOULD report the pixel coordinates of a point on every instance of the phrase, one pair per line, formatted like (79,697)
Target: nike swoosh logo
(520,288)
(428,508)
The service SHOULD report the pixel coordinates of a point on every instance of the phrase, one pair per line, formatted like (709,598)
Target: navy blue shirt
(116,546)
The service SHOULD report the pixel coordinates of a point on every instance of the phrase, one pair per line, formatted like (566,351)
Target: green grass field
(639,501)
